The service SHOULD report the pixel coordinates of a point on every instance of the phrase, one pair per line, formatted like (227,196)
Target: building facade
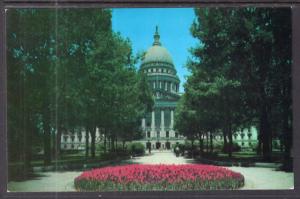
(77,140)
(158,125)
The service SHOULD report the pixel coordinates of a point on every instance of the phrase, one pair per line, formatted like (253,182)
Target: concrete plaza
(255,177)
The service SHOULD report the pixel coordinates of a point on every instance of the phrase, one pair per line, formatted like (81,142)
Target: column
(172,119)
(144,127)
(143,123)
(62,143)
(153,124)
(162,123)
(83,137)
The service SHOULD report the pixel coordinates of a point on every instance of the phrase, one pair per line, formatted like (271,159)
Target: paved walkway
(161,157)
(255,178)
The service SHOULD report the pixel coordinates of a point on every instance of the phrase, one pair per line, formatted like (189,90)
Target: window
(249,135)
(72,146)
(167,134)
(242,135)
(176,135)
(72,138)
(158,134)
(65,138)
(79,137)
(65,146)
(148,134)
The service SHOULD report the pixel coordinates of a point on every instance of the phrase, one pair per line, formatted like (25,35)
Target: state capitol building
(158,125)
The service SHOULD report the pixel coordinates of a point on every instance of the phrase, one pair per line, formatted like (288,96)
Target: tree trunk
(207,142)
(109,143)
(123,144)
(259,142)
(27,145)
(229,133)
(211,142)
(287,130)
(105,141)
(192,148)
(113,144)
(86,142)
(225,140)
(47,140)
(93,142)
(201,144)
(58,142)
(266,134)
(116,143)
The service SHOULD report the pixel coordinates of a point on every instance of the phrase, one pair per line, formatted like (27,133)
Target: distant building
(77,140)
(158,125)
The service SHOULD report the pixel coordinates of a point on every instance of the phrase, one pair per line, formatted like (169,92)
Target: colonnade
(162,130)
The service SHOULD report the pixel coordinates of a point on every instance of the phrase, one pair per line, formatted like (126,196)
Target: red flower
(163,175)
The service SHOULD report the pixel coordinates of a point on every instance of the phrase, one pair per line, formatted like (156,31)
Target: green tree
(238,58)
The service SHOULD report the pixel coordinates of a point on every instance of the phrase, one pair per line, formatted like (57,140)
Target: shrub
(136,149)
(158,178)
(235,148)
(118,153)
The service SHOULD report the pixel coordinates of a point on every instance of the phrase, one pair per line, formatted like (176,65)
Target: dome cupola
(157,53)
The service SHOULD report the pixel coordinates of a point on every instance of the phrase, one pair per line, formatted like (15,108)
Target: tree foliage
(241,73)
(69,72)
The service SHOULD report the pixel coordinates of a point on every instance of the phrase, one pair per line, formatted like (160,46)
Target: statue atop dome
(156,37)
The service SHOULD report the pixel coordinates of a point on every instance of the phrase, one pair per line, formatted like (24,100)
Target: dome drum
(157,64)
(170,78)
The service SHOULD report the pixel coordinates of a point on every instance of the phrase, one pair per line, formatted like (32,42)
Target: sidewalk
(255,177)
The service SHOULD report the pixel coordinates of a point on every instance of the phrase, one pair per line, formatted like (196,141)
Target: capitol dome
(157,53)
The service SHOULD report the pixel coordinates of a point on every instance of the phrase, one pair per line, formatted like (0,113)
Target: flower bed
(158,178)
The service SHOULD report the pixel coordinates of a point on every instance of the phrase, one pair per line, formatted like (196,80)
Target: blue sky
(138,24)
